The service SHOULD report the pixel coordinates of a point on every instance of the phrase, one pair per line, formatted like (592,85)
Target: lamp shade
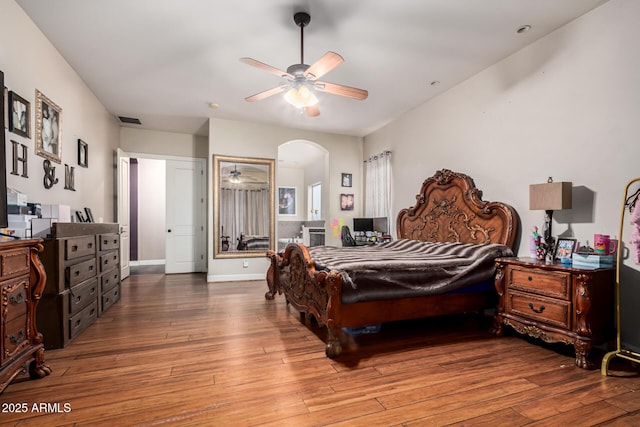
(551,196)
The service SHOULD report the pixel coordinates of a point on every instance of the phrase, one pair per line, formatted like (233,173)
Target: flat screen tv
(3,161)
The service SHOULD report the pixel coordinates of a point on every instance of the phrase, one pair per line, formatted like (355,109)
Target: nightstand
(556,303)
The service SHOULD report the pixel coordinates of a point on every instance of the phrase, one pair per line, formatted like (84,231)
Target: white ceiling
(165,61)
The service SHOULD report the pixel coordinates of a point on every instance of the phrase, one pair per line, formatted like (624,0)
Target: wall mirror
(243,206)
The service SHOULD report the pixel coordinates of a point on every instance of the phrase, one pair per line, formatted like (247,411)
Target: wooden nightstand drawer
(555,284)
(548,310)
(15,337)
(13,263)
(15,298)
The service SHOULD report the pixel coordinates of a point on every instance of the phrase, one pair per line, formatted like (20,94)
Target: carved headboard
(449,209)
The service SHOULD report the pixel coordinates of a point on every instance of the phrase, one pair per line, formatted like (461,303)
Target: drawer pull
(17,340)
(19,299)
(529,278)
(540,310)
(74,248)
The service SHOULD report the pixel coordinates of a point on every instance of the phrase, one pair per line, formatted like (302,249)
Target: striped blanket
(408,268)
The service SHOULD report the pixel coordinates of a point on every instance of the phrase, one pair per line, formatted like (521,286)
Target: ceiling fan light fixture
(301,97)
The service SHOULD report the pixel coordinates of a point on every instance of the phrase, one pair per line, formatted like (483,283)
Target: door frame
(203,206)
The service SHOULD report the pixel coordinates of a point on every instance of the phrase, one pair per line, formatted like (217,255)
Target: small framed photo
(564,248)
(19,115)
(83,154)
(48,128)
(346,179)
(286,201)
(346,202)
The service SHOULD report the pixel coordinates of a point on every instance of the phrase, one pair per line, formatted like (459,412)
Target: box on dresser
(83,279)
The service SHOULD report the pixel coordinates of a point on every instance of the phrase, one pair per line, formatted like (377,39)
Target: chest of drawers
(556,303)
(22,279)
(82,264)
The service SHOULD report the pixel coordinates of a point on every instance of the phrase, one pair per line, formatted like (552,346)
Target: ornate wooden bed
(448,209)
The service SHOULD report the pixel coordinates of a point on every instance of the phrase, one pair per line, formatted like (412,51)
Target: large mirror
(243,206)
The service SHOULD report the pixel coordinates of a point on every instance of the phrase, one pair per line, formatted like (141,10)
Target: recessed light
(434,83)
(523,29)
(213,105)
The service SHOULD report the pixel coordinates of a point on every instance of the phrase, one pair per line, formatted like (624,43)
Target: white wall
(567,106)
(152,190)
(232,138)
(165,143)
(30,62)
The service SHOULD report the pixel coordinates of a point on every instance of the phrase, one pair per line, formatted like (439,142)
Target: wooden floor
(178,351)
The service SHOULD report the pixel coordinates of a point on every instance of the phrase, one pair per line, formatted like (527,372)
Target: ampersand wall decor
(49,175)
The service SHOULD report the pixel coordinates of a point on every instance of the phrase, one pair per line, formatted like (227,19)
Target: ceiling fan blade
(349,92)
(266,93)
(322,66)
(312,111)
(265,67)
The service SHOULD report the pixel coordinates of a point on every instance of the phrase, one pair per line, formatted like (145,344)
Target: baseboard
(234,277)
(147,262)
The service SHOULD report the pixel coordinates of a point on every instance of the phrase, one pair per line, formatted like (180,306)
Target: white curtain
(378,185)
(243,212)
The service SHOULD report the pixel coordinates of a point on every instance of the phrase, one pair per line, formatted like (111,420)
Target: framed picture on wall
(83,154)
(346,202)
(346,179)
(286,201)
(48,128)
(19,115)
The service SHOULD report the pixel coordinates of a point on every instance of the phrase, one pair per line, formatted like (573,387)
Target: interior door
(316,202)
(185,215)
(123,210)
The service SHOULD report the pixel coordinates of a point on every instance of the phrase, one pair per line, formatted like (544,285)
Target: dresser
(83,279)
(22,280)
(556,303)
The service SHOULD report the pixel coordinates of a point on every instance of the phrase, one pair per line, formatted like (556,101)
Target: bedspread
(408,268)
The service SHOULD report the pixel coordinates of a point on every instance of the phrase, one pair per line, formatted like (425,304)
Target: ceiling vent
(130,120)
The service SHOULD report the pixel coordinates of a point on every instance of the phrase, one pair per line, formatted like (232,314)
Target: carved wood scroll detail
(449,209)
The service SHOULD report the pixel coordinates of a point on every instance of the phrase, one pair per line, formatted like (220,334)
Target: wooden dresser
(83,279)
(22,280)
(556,303)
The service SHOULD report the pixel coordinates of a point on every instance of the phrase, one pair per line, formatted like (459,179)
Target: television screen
(4,222)
(381,225)
(363,224)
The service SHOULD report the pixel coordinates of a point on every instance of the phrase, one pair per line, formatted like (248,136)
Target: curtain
(378,185)
(243,212)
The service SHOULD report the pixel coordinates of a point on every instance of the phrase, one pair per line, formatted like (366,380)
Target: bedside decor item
(48,128)
(83,154)
(549,197)
(19,115)
(346,179)
(564,249)
(603,245)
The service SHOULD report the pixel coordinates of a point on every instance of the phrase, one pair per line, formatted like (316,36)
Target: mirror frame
(217,160)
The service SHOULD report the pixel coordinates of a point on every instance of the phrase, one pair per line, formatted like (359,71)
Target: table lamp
(549,197)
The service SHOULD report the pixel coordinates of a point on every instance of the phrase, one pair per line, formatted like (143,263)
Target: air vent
(130,120)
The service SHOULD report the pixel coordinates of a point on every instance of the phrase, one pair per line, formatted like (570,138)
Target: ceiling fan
(302,79)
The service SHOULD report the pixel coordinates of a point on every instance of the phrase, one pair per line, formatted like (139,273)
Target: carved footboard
(311,292)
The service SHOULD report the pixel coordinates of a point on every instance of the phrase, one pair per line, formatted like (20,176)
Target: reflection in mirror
(243,206)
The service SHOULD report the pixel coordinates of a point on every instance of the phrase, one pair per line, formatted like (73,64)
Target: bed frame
(448,209)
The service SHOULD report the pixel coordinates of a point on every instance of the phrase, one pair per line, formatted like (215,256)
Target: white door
(185,215)
(123,211)
(316,202)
